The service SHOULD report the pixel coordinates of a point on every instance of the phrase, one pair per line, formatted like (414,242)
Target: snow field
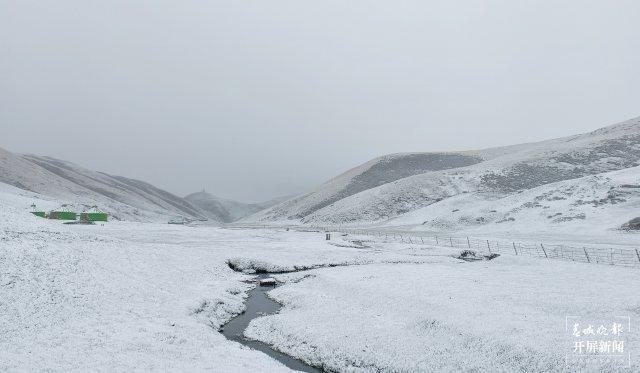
(134,296)
(142,296)
(503,315)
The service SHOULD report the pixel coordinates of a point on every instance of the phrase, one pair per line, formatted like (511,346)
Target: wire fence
(595,255)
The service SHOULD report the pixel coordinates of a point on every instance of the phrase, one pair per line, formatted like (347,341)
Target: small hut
(94,215)
(63,214)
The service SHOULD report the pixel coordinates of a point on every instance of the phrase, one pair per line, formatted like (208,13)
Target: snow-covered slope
(481,176)
(586,205)
(374,173)
(210,205)
(226,210)
(122,197)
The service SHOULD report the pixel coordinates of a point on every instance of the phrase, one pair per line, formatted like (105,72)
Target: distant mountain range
(424,189)
(227,210)
(122,197)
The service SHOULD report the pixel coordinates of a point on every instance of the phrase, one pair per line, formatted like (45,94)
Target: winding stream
(258,304)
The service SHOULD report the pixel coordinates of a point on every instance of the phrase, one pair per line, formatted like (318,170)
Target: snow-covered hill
(122,197)
(226,210)
(587,205)
(374,173)
(398,188)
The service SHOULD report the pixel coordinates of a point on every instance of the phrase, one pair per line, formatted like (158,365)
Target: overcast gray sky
(255,99)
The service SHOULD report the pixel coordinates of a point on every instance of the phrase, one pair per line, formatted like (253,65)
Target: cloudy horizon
(254,100)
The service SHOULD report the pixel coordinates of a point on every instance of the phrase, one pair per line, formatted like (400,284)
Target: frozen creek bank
(258,304)
(507,314)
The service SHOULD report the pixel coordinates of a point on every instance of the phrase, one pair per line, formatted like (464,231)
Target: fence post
(611,255)
(468,243)
(638,254)
(514,248)
(544,251)
(422,240)
(437,244)
(489,246)
(587,255)
(451,241)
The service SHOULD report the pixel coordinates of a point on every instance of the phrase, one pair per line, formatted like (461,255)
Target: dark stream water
(258,304)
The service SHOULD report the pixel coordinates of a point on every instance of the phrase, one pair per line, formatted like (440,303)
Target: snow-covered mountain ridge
(226,210)
(122,197)
(408,183)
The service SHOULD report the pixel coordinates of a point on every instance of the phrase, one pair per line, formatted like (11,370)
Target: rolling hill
(122,197)
(398,188)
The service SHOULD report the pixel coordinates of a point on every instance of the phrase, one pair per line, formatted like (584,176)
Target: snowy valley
(138,294)
(128,296)
(338,186)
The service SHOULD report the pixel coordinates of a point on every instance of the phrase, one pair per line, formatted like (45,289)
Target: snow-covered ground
(118,297)
(128,296)
(506,315)
(133,296)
